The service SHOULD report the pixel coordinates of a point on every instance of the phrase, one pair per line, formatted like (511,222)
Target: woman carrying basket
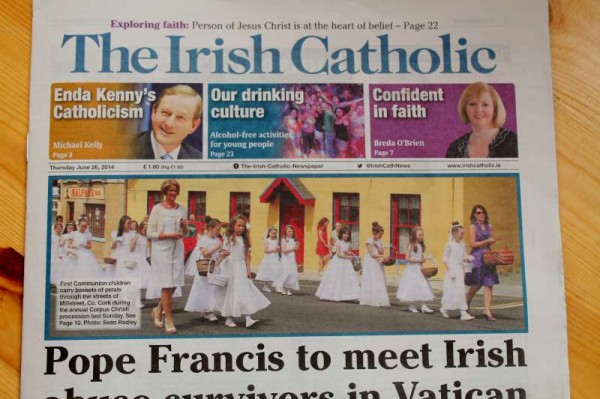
(480,240)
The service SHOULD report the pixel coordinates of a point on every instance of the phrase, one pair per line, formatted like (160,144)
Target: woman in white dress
(270,267)
(288,278)
(413,286)
(453,294)
(152,292)
(202,294)
(140,248)
(339,281)
(240,297)
(373,286)
(80,245)
(166,228)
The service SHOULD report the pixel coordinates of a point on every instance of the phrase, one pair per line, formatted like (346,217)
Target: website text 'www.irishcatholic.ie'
(461,165)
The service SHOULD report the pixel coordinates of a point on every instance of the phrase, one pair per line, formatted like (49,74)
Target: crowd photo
(330,123)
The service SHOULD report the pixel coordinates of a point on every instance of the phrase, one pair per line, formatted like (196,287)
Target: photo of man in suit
(175,115)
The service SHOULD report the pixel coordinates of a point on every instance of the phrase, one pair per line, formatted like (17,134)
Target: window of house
(406,215)
(95,215)
(197,204)
(154,197)
(346,212)
(239,204)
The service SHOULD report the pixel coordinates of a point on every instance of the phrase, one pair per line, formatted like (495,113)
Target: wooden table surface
(575,38)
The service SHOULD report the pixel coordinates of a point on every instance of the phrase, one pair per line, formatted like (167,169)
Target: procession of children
(226,249)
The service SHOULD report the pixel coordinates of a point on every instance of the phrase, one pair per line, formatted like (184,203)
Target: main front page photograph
(100,265)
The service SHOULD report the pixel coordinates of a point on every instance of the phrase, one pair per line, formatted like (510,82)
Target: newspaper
(292,200)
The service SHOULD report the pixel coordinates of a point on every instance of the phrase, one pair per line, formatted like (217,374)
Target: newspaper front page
(292,200)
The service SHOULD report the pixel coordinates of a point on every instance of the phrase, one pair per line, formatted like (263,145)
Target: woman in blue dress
(480,240)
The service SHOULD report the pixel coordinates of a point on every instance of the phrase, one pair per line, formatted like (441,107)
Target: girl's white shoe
(250,322)
(230,323)
(464,316)
(210,317)
(425,309)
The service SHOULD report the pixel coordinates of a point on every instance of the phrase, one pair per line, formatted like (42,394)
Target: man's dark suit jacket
(143,148)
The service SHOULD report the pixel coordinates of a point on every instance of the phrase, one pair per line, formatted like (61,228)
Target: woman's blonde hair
(476,90)
(168,183)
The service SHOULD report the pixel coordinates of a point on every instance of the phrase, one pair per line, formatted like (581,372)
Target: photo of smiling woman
(166,228)
(480,106)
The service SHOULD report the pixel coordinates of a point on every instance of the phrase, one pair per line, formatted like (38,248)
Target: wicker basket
(215,278)
(502,257)
(429,271)
(108,259)
(202,266)
(389,261)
